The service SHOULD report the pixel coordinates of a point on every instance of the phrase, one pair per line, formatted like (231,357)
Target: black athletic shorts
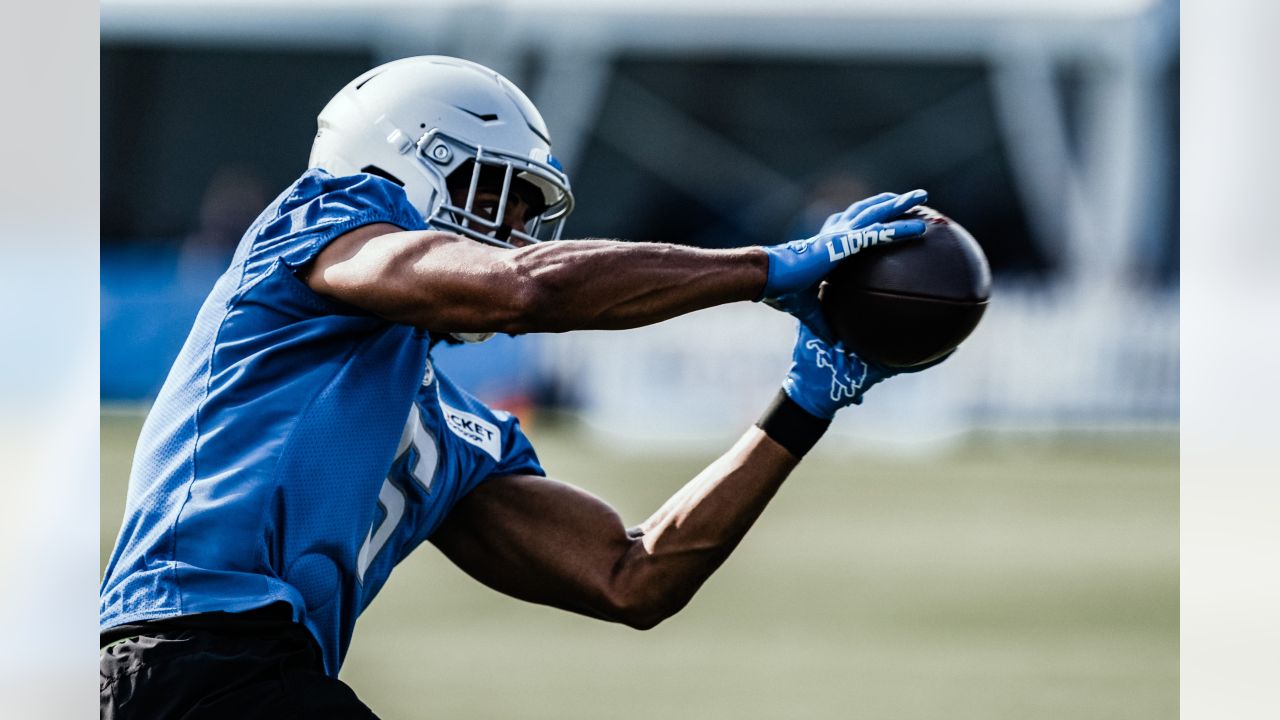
(242,666)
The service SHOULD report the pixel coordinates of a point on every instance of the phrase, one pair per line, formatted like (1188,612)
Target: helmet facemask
(542,185)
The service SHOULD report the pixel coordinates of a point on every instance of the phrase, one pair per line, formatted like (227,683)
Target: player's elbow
(642,608)
(641,614)
(650,619)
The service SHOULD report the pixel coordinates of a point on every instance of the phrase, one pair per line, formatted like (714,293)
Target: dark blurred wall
(786,132)
(174,117)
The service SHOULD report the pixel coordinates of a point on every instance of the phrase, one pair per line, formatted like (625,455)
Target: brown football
(912,301)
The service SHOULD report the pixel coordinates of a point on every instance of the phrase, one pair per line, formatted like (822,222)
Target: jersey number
(417,439)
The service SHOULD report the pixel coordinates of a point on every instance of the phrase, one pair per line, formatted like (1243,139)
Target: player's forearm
(446,283)
(689,537)
(607,285)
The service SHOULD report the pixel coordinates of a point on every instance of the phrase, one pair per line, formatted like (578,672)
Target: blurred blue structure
(146,313)
(150,298)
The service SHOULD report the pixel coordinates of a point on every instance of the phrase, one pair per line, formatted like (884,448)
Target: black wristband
(791,426)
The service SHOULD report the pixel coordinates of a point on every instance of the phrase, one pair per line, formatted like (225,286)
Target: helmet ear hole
(375,170)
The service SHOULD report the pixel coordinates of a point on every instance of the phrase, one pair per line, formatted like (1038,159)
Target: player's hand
(796,268)
(825,377)
(800,264)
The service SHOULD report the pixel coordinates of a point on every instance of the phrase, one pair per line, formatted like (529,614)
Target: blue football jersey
(299,447)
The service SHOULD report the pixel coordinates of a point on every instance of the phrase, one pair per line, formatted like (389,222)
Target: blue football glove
(796,268)
(825,377)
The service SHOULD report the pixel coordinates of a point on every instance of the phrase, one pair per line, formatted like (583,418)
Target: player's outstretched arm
(551,543)
(447,283)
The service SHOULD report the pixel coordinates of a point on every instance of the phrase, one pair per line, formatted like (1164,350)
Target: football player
(303,443)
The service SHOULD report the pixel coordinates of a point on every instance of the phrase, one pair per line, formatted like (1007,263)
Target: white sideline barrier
(1040,360)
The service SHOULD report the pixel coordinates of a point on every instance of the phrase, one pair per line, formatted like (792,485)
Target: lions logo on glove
(843,382)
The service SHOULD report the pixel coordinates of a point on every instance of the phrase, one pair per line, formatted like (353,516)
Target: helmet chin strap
(472,337)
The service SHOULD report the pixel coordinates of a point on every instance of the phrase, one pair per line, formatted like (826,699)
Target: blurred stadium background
(994,539)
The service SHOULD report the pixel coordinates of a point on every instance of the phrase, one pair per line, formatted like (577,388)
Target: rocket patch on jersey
(474,429)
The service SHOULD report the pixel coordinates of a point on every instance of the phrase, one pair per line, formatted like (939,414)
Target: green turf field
(1008,580)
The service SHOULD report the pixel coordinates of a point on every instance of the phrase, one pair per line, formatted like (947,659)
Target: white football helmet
(417,120)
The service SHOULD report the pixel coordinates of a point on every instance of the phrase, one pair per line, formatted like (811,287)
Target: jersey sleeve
(319,208)
(518,455)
